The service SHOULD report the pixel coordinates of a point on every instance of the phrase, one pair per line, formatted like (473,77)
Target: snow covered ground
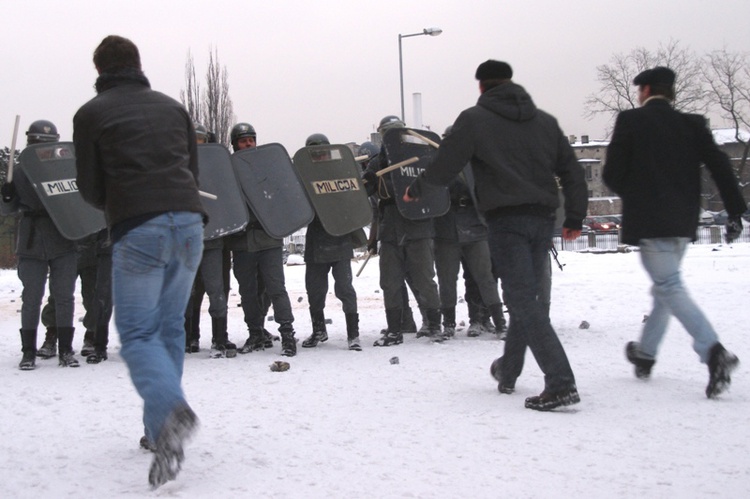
(352,424)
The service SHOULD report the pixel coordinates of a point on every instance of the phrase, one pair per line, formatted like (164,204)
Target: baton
(424,139)
(398,165)
(11,158)
(359,159)
(362,267)
(208,195)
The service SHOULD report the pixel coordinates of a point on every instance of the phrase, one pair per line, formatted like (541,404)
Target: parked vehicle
(601,223)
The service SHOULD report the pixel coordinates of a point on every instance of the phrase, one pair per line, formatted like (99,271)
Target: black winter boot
(88,343)
(319,332)
(352,331)
(222,347)
(254,342)
(392,335)
(65,347)
(432,329)
(101,341)
(449,322)
(28,347)
(288,341)
(49,347)
(501,327)
(476,317)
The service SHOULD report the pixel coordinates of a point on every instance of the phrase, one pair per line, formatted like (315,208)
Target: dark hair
(666,91)
(115,53)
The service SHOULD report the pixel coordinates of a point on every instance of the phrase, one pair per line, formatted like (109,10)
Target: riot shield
(228,212)
(51,168)
(272,190)
(401,145)
(331,178)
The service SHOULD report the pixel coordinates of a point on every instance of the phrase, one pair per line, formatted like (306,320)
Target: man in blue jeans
(136,158)
(654,164)
(517,153)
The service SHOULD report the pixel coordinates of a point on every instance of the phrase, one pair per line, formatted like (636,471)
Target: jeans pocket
(139,253)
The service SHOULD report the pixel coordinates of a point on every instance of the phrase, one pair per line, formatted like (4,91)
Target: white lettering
(57,187)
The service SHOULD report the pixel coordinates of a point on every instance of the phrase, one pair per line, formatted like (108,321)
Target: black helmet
(241,130)
(201,132)
(390,121)
(42,131)
(317,139)
(368,149)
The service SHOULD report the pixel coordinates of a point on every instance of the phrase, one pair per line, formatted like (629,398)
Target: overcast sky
(298,67)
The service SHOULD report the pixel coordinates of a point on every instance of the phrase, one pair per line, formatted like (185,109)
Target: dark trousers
(519,246)
(269,265)
(316,284)
(416,256)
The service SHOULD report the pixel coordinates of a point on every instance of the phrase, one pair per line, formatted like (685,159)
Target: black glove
(8,191)
(733,228)
(370,177)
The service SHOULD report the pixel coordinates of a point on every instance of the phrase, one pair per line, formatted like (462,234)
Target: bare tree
(617,93)
(218,113)
(212,105)
(191,96)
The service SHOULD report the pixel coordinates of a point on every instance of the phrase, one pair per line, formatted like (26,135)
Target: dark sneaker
(355,345)
(28,362)
(67,359)
(721,363)
(546,401)
(97,357)
(506,388)
(315,338)
(642,366)
(169,453)
(227,350)
(48,350)
(389,339)
(146,444)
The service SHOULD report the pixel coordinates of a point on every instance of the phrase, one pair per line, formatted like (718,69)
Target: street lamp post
(426,31)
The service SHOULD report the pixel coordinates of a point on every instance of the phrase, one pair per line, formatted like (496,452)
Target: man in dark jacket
(517,151)
(653,163)
(136,159)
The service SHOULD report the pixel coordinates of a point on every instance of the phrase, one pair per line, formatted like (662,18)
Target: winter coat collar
(106,80)
(510,101)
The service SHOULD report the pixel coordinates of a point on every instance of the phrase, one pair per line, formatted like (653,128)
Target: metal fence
(609,241)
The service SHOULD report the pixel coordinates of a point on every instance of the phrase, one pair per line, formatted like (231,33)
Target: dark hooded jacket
(136,154)
(516,151)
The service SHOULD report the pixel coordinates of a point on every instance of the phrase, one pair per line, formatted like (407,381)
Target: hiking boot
(97,357)
(28,362)
(546,401)
(642,366)
(48,349)
(288,341)
(406,322)
(255,341)
(721,363)
(226,350)
(502,387)
(169,453)
(354,344)
(389,339)
(432,328)
(67,359)
(449,322)
(193,346)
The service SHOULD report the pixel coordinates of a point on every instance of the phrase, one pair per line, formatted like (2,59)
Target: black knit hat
(494,70)
(659,75)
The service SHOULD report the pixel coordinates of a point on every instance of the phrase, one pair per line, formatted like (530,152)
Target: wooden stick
(362,267)
(11,158)
(208,195)
(359,159)
(424,139)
